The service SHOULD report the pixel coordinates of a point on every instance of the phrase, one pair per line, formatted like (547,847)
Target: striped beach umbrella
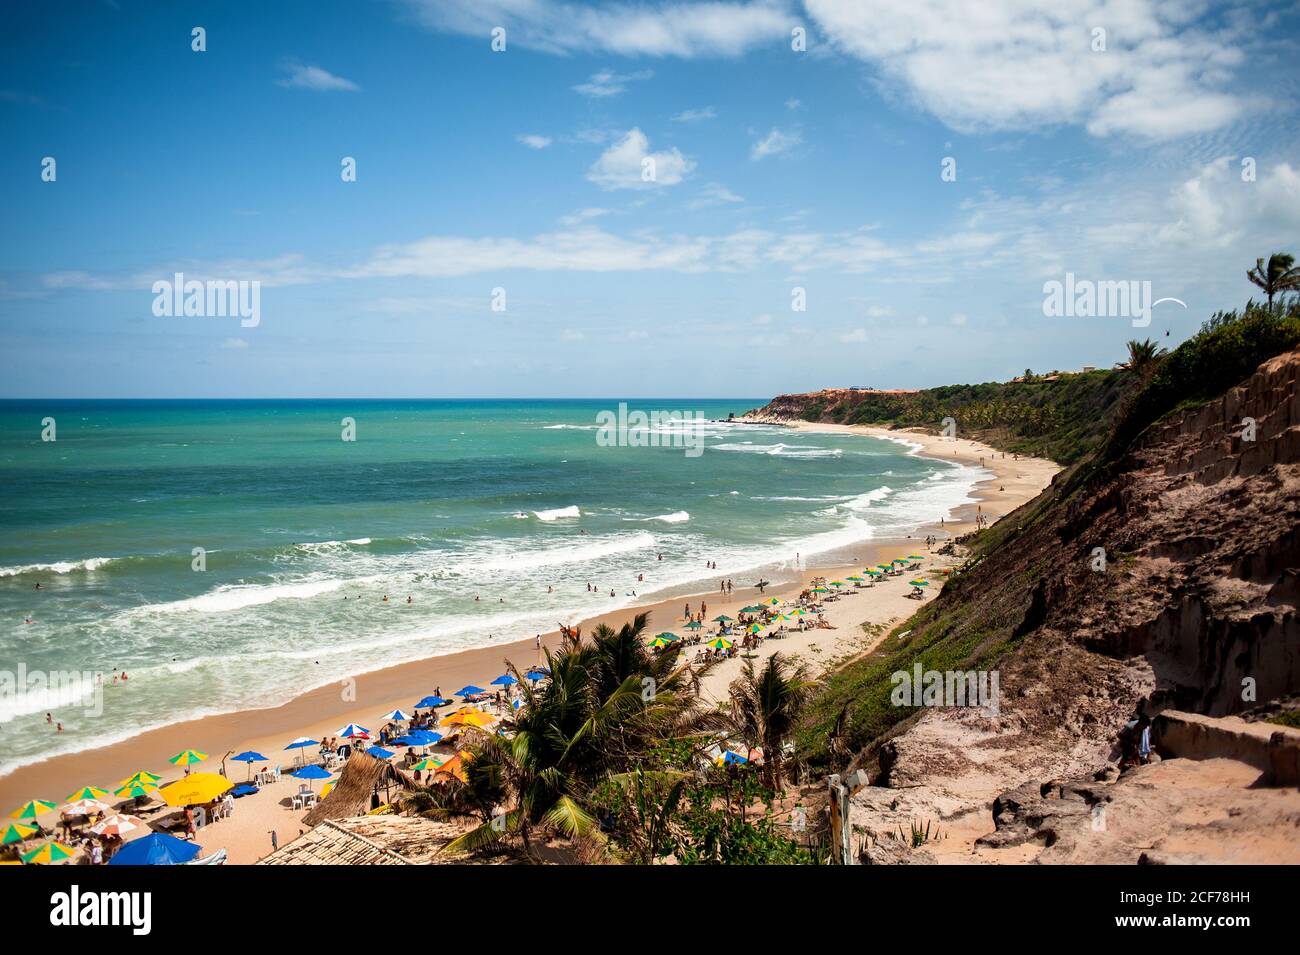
(117,825)
(140,776)
(87,792)
(188,757)
(397,716)
(662,640)
(33,808)
(136,790)
(49,853)
(17,832)
(720,643)
(429,763)
(353,731)
(85,807)
(919,583)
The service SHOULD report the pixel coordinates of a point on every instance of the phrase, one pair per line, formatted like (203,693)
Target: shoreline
(321,711)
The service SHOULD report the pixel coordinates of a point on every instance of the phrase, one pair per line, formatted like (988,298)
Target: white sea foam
(238,596)
(58,567)
(557,513)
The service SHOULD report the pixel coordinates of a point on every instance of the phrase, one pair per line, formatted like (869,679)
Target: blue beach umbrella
(396,716)
(156,849)
(729,758)
(353,731)
(250,757)
(505,679)
(380,753)
(468,690)
(311,772)
(534,675)
(301,743)
(429,702)
(243,789)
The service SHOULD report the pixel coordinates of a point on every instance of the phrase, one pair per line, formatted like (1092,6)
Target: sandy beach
(246,835)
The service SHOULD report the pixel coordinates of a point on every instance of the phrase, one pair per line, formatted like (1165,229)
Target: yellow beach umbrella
(195,788)
(48,853)
(17,832)
(32,809)
(188,757)
(468,717)
(429,762)
(87,792)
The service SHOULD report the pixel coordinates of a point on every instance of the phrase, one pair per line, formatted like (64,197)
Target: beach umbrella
(751,609)
(429,762)
(85,807)
(837,583)
(720,643)
(872,572)
(397,716)
(156,849)
(534,675)
(754,628)
(694,625)
(87,792)
(33,808)
(250,757)
(722,618)
(311,773)
(731,759)
(919,583)
(353,731)
(915,557)
(136,790)
(188,758)
(505,679)
(429,702)
(854,577)
(117,825)
(468,717)
(469,690)
(662,640)
(140,776)
(774,601)
(885,566)
(380,753)
(195,788)
(17,832)
(301,743)
(455,766)
(327,789)
(820,590)
(48,853)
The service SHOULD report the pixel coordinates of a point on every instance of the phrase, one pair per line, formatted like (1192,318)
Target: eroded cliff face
(1194,608)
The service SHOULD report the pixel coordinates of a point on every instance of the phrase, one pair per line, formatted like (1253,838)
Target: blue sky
(774,169)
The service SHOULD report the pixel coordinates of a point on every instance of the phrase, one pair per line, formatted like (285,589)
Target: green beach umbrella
(663,640)
(751,609)
(87,792)
(140,776)
(694,625)
(722,618)
(774,601)
(754,628)
(33,808)
(821,590)
(885,566)
(837,583)
(720,643)
(854,577)
(872,572)
(915,557)
(919,583)
(17,832)
(50,852)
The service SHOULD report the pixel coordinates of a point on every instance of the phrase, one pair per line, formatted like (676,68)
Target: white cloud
(629,29)
(774,144)
(793,103)
(854,337)
(234,344)
(303,76)
(714,194)
(607,83)
(583,215)
(695,115)
(629,164)
(533,141)
(1216,208)
(1031,63)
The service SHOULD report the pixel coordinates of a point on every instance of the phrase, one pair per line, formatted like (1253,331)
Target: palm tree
(607,703)
(1280,275)
(766,707)
(1143,355)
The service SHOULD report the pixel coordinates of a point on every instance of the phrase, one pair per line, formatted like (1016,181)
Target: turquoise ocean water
(439,500)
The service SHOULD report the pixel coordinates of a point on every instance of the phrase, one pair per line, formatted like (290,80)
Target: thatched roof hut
(332,844)
(364,778)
